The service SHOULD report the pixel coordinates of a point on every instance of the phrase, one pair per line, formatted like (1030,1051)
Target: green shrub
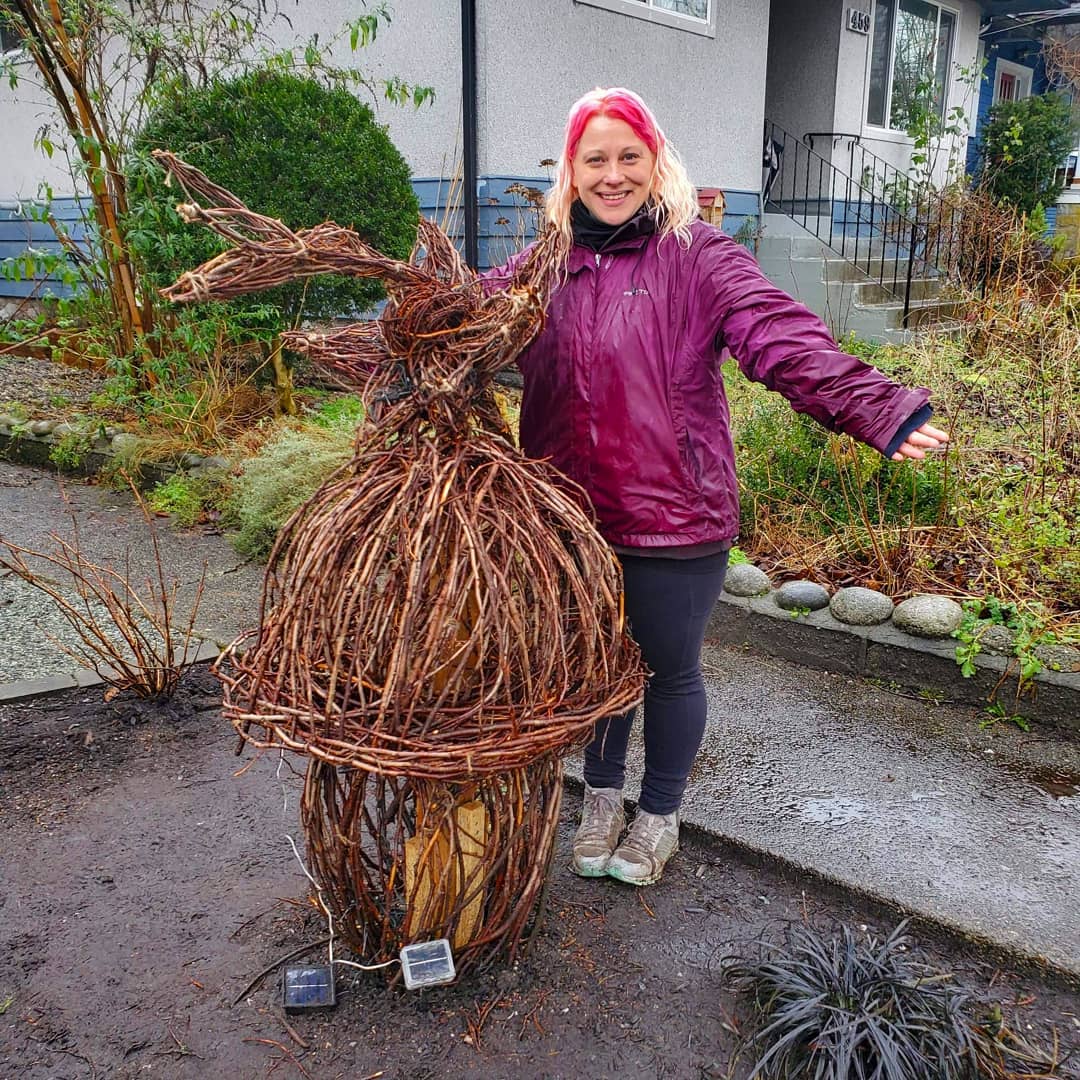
(183,496)
(1023,145)
(290,148)
(70,450)
(283,474)
(794,466)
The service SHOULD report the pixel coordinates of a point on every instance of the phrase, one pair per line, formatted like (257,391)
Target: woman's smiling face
(613,170)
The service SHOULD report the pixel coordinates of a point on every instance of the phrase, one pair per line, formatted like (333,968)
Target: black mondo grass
(830,1006)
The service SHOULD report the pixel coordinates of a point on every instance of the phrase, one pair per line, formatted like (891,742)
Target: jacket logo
(636,292)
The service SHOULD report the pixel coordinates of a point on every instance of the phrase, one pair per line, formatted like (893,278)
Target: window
(9,40)
(692,15)
(910,61)
(1012,82)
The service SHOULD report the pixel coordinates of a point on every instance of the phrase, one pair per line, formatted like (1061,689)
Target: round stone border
(914,651)
(32,442)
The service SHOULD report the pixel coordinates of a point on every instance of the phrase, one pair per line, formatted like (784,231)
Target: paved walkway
(894,797)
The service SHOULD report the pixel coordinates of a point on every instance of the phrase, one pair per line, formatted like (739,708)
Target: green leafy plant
(182,496)
(293,148)
(1022,147)
(70,450)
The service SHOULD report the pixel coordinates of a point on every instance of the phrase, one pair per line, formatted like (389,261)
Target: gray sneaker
(651,841)
(602,822)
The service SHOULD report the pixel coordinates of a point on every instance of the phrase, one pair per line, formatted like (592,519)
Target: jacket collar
(581,256)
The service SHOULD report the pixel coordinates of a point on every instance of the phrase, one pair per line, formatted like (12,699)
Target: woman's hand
(920,441)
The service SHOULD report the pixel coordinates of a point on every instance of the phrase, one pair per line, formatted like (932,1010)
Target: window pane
(8,38)
(943,65)
(698,9)
(913,67)
(884,11)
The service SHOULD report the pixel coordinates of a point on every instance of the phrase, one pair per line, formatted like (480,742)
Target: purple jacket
(623,391)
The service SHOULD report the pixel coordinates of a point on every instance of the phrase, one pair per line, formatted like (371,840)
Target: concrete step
(873,292)
(922,314)
(912,803)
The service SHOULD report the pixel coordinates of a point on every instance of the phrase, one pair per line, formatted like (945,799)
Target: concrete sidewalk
(909,802)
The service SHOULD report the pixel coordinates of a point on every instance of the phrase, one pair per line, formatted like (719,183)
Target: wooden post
(470,830)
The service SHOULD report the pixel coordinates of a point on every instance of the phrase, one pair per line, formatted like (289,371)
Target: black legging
(668,604)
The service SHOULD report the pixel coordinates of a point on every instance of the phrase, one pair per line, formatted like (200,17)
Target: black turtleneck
(596,235)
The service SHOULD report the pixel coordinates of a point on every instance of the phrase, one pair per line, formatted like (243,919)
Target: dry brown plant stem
(130,636)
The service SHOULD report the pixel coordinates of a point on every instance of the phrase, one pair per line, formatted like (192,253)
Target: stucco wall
(22,167)
(538,56)
(535,57)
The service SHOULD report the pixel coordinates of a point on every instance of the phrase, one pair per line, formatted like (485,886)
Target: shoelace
(645,833)
(600,810)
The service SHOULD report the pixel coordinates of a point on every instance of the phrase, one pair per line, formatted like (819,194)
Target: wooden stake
(470,829)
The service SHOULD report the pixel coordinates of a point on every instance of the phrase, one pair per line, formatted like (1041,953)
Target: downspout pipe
(469,131)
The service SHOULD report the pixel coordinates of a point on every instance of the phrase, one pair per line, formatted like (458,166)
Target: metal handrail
(836,136)
(901,242)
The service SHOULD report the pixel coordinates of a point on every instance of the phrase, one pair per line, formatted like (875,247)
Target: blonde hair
(673,197)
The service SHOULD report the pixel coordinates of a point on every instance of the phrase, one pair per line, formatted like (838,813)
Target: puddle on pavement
(1055,784)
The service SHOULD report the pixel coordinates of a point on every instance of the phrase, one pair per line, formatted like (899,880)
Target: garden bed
(146,884)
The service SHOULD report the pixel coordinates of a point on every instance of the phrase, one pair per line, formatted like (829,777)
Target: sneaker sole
(589,872)
(613,872)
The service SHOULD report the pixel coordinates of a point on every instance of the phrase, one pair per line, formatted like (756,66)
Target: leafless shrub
(128,635)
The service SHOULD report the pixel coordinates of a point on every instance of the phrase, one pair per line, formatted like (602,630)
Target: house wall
(539,56)
(535,58)
(853,72)
(803,75)
(23,168)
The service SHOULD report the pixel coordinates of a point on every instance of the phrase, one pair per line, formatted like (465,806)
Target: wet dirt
(146,880)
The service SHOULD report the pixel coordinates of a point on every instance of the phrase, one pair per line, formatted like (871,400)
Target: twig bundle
(441,620)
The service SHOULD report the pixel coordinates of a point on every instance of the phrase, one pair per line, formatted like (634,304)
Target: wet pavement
(907,801)
(910,802)
(111,532)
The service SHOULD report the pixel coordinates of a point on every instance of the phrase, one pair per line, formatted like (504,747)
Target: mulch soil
(145,884)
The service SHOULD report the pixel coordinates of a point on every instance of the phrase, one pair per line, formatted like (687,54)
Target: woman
(623,393)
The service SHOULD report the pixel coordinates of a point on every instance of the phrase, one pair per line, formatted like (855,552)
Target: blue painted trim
(507,221)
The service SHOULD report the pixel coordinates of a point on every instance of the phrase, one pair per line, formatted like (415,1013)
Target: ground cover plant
(832,1004)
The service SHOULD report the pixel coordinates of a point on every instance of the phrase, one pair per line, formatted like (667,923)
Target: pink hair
(671,190)
(619,104)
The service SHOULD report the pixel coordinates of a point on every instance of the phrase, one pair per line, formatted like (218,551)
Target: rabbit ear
(440,258)
(265,253)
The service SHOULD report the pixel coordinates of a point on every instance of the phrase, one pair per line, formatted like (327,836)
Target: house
(840,78)
(1011,52)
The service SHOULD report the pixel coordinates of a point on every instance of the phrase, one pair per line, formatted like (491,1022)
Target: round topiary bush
(291,148)
(1023,146)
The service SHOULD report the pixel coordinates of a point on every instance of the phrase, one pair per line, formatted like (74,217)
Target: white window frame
(891,133)
(645,9)
(1019,72)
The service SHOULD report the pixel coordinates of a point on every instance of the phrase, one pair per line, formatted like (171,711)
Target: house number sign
(858,21)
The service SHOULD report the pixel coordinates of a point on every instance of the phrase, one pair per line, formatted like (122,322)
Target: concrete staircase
(849,300)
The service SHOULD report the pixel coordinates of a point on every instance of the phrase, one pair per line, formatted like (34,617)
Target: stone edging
(883,652)
(32,443)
